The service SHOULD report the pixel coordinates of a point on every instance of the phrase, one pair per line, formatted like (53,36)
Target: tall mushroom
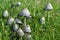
(48,8)
(25,12)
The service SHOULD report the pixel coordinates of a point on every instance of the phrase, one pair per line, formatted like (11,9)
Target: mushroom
(18,21)
(27,29)
(42,20)
(25,12)
(10,20)
(49,6)
(18,4)
(15,27)
(20,32)
(5,14)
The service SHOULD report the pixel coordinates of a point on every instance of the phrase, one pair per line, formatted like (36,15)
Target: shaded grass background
(52,28)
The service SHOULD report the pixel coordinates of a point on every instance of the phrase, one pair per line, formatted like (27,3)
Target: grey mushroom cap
(15,27)
(10,20)
(49,6)
(20,32)
(27,29)
(25,12)
(18,21)
(5,14)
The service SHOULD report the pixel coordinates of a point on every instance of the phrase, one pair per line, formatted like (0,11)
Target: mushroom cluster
(14,23)
(25,30)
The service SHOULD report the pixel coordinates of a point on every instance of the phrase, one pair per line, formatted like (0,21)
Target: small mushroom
(5,14)
(49,6)
(15,27)
(18,21)
(42,20)
(18,4)
(20,32)
(27,29)
(10,20)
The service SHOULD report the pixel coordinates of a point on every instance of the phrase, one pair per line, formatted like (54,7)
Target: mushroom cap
(27,29)
(15,27)
(18,21)
(42,20)
(18,3)
(25,12)
(5,14)
(20,32)
(49,6)
(10,20)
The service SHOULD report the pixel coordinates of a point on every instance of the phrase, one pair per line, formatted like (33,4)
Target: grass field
(36,8)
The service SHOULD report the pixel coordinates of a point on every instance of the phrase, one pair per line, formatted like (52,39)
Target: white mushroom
(10,20)
(5,14)
(28,36)
(18,21)
(25,12)
(20,32)
(49,6)
(15,27)
(27,29)
(42,20)
(18,4)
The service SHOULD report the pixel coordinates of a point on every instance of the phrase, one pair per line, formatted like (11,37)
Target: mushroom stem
(48,16)
(25,21)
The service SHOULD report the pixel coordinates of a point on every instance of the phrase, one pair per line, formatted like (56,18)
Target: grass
(52,27)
